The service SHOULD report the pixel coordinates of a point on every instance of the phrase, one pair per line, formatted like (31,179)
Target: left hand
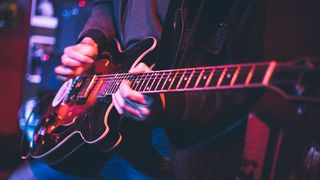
(130,103)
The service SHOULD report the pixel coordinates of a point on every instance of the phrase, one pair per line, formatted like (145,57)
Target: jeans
(122,165)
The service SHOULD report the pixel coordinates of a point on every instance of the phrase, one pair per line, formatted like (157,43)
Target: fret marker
(186,78)
(228,75)
(204,77)
(147,88)
(170,80)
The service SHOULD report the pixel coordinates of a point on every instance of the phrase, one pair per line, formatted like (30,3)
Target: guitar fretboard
(189,79)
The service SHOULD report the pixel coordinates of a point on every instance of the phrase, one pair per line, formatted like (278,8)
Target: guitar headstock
(298,79)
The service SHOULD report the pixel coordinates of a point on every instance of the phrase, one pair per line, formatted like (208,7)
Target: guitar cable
(25,155)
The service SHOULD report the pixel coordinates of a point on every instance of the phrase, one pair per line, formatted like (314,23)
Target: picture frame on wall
(43,14)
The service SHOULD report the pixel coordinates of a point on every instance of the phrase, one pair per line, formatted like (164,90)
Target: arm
(97,32)
(100,26)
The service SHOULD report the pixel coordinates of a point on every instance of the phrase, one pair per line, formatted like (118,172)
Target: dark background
(292,30)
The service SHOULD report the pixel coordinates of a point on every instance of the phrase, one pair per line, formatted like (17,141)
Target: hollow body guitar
(82,111)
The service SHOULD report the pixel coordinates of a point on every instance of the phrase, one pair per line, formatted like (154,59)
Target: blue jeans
(115,166)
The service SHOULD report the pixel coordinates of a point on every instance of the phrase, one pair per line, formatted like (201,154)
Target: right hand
(77,58)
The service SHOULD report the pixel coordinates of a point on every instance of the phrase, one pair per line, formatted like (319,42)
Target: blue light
(65,13)
(75,11)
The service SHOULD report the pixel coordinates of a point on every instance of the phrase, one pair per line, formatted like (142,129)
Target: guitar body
(78,116)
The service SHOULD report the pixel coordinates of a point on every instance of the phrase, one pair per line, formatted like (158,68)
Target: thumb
(89,41)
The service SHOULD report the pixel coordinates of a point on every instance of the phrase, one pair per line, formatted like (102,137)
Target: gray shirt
(129,21)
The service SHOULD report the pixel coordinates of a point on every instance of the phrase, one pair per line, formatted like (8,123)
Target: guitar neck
(188,79)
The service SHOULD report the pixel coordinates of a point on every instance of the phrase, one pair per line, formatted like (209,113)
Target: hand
(130,103)
(77,58)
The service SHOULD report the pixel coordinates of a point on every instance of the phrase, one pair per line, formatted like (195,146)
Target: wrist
(97,36)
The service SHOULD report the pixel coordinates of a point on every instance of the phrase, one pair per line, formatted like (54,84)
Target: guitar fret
(162,80)
(121,77)
(186,78)
(175,81)
(215,77)
(136,82)
(249,77)
(269,73)
(204,78)
(153,78)
(168,79)
(113,84)
(142,81)
(194,78)
(222,76)
(259,73)
(181,79)
(190,77)
(210,77)
(145,82)
(235,76)
(243,73)
(199,78)
(228,76)
(155,85)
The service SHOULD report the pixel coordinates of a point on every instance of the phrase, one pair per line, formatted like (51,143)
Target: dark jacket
(207,129)
(204,130)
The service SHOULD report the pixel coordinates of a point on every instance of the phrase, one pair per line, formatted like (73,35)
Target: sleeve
(193,116)
(100,26)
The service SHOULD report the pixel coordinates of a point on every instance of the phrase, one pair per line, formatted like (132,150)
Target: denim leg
(40,171)
(118,169)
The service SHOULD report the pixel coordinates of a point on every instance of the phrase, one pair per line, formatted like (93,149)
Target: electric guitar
(81,110)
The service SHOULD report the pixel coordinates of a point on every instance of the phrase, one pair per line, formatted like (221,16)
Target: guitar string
(266,64)
(150,74)
(165,76)
(114,80)
(170,71)
(113,87)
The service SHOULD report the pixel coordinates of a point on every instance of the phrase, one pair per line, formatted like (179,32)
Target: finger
(143,110)
(132,111)
(62,78)
(72,53)
(125,108)
(116,104)
(67,61)
(88,40)
(64,71)
(68,71)
(140,68)
(127,92)
(87,50)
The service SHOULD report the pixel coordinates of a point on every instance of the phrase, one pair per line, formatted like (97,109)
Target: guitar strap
(169,42)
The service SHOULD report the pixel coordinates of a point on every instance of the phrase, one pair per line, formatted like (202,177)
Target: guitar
(80,112)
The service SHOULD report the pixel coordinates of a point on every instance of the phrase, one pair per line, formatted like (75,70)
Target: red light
(82,3)
(45,57)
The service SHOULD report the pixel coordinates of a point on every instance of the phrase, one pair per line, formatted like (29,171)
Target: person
(196,135)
